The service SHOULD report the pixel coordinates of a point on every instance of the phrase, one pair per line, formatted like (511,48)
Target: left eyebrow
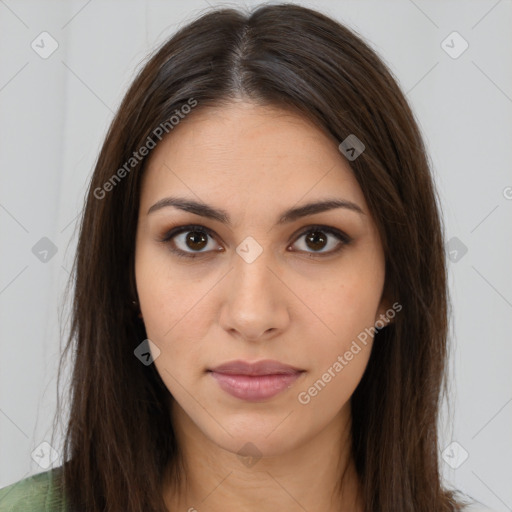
(290,215)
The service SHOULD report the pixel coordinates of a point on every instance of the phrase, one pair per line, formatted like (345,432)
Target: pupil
(196,237)
(316,237)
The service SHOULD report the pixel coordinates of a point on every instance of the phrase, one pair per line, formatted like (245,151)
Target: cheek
(174,315)
(164,292)
(339,358)
(339,354)
(332,387)
(346,305)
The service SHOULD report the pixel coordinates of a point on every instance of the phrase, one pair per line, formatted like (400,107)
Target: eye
(317,238)
(188,237)
(192,241)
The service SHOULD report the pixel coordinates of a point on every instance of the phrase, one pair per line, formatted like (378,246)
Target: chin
(256,442)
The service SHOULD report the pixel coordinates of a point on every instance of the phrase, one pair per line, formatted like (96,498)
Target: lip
(264,367)
(255,381)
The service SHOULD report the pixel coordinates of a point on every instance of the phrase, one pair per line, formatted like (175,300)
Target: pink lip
(255,381)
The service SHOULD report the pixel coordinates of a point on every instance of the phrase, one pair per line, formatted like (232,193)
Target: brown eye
(318,238)
(189,241)
(192,241)
(196,240)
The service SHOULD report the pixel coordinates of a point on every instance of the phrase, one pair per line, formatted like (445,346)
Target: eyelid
(171,233)
(177,230)
(321,227)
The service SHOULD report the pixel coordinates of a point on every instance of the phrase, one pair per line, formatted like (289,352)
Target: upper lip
(266,367)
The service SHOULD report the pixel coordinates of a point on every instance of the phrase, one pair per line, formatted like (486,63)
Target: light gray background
(54,116)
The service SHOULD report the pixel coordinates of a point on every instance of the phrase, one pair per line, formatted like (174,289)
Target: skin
(255,162)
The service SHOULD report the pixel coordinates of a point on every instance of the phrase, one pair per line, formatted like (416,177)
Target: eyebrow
(290,215)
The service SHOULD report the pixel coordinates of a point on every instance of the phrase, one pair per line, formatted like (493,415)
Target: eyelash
(342,237)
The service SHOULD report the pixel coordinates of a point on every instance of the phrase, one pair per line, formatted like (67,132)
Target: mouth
(257,381)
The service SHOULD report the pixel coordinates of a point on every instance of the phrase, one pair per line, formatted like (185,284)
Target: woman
(260,308)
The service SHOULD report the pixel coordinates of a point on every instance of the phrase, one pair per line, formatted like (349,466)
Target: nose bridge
(253,303)
(252,264)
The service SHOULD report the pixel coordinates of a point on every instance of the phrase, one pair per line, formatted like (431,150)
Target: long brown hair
(119,439)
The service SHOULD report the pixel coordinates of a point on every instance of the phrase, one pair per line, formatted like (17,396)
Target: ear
(387,309)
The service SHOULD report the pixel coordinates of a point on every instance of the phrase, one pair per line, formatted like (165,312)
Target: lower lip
(254,387)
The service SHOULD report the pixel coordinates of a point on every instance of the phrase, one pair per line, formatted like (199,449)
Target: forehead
(245,152)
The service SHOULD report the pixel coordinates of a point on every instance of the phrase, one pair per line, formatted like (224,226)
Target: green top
(37,493)
(43,493)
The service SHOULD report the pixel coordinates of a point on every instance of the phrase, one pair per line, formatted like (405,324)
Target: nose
(255,305)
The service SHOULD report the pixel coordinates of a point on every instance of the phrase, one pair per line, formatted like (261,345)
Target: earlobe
(385,313)
(135,306)
(382,319)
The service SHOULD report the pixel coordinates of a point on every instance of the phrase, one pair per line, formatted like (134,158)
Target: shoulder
(37,493)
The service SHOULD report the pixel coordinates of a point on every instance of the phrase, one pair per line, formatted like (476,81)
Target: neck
(317,475)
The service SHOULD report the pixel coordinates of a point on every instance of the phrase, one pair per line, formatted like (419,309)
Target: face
(253,286)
